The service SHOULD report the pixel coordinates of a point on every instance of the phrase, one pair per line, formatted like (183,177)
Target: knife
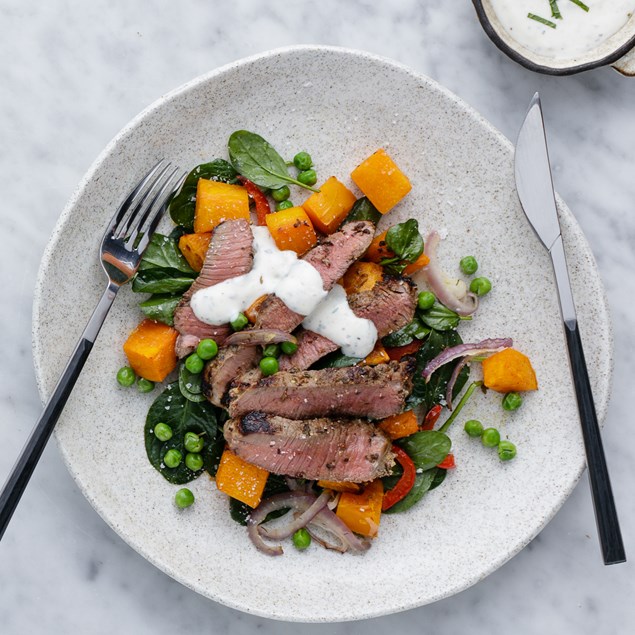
(535,191)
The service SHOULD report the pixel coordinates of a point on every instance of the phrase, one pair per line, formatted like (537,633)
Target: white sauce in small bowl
(299,285)
(578,31)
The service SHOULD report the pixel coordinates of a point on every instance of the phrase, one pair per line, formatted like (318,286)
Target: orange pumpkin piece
(381,181)
(377,356)
(194,248)
(150,350)
(292,230)
(417,265)
(252,310)
(330,206)
(217,202)
(361,512)
(509,371)
(378,249)
(240,480)
(339,486)
(399,426)
(362,276)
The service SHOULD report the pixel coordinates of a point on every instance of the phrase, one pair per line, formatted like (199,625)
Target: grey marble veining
(71,75)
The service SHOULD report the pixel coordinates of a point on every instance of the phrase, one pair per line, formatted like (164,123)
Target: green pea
(184,498)
(512,401)
(288,348)
(283,205)
(268,366)
(307,177)
(126,376)
(491,437)
(194,461)
(163,432)
(301,539)
(506,450)
(240,322)
(143,385)
(207,349)
(271,350)
(480,286)
(281,194)
(194,363)
(468,265)
(302,161)
(172,458)
(426,300)
(192,442)
(474,428)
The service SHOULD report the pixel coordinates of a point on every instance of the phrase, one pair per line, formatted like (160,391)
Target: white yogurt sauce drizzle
(299,285)
(578,31)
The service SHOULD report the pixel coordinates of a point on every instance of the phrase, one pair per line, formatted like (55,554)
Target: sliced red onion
(455,375)
(296,501)
(332,524)
(282,531)
(259,337)
(451,292)
(462,350)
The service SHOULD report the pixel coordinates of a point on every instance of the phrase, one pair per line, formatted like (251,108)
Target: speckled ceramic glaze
(340,105)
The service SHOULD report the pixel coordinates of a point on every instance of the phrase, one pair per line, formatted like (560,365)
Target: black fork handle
(602,493)
(32,450)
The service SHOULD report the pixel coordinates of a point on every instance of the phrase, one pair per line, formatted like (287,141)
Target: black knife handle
(603,502)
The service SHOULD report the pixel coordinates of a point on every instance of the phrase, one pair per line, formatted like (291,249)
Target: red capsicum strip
(397,352)
(448,462)
(262,204)
(404,484)
(431,417)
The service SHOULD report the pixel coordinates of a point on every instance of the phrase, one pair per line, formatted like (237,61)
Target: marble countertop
(71,75)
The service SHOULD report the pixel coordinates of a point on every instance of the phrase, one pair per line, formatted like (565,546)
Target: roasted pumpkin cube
(292,229)
(251,312)
(421,262)
(194,248)
(339,486)
(509,371)
(217,202)
(377,356)
(150,350)
(401,425)
(240,480)
(381,181)
(378,249)
(362,276)
(361,512)
(330,206)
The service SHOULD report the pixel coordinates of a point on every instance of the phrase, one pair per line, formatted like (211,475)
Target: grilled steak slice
(390,305)
(332,257)
(231,362)
(230,254)
(331,449)
(357,391)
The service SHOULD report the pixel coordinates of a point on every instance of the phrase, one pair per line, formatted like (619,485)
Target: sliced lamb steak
(231,362)
(390,305)
(230,254)
(332,257)
(350,450)
(356,391)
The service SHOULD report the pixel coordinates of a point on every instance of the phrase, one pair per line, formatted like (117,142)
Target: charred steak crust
(352,450)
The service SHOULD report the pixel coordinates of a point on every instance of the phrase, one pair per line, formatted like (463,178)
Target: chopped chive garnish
(555,12)
(544,21)
(580,4)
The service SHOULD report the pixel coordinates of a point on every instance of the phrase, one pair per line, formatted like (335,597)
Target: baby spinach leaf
(336,360)
(256,159)
(405,335)
(433,392)
(439,317)
(163,252)
(182,415)
(426,448)
(191,385)
(161,308)
(439,477)
(423,484)
(183,204)
(363,209)
(167,281)
(405,241)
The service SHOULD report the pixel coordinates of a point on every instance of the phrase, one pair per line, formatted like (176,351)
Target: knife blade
(534,185)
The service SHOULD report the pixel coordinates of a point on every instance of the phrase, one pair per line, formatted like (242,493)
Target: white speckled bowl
(340,105)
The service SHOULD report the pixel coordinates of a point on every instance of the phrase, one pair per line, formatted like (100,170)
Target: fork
(122,246)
